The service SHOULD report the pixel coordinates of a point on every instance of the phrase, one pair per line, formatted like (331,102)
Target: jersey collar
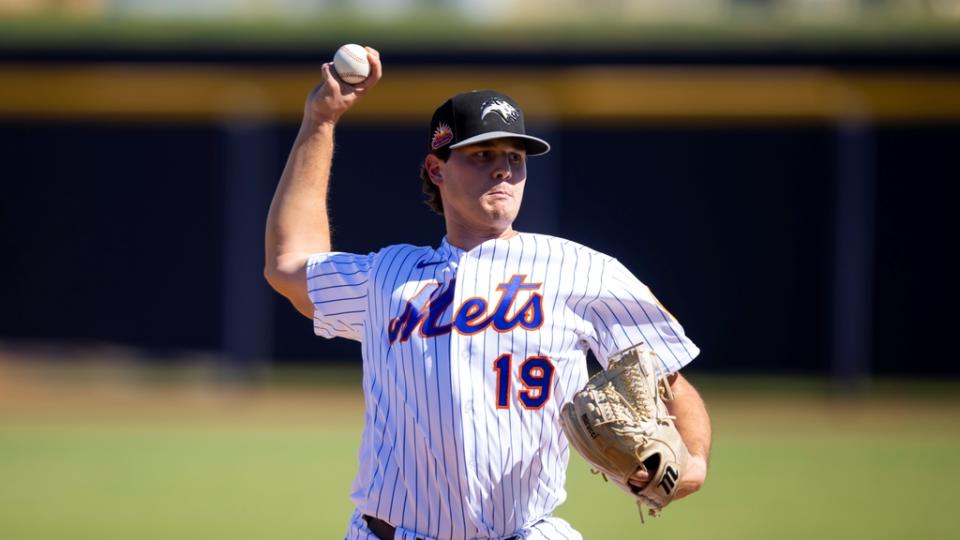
(449,251)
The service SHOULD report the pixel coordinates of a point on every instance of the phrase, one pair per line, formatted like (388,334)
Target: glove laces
(643,403)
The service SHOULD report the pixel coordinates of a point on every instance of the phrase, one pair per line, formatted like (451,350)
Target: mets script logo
(473,315)
(508,112)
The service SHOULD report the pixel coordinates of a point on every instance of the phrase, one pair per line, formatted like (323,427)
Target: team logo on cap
(508,112)
(441,136)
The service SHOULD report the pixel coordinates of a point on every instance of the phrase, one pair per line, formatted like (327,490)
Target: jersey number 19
(536,375)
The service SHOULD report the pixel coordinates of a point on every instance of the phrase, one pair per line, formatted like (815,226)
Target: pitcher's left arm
(693,423)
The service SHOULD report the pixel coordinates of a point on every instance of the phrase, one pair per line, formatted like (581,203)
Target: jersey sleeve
(337,286)
(625,313)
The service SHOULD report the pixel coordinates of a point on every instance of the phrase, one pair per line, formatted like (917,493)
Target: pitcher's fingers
(330,78)
(639,478)
(376,67)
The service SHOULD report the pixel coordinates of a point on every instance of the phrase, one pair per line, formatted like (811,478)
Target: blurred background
(778,171)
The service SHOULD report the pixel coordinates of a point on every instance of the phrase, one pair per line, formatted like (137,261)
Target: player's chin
(502,202)
(501,211)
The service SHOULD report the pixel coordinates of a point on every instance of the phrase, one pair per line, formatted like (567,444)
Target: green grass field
(115,460)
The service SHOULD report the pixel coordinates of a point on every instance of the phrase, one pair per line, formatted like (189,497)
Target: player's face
(482,184)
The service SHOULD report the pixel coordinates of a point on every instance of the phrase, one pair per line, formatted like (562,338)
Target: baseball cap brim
(534,146)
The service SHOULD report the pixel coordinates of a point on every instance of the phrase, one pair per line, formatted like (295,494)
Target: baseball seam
(349,53)
(344,76)
(361,76)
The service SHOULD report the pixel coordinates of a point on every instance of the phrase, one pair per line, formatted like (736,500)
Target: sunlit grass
(116,461)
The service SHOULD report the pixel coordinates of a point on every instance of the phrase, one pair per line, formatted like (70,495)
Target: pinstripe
(401,448)
(341,274)
(377,375)
(458,422)
(437,456)
(673,330)
(640,304)
(567,367)
(606,328)
(337,286)
(460,472)
(580,297)
(338,326)
(415,478)
(376,484)
(538,459)
(671,322)
(518,451)
(497,415)
(423,406)
(492,456)
(431,486)
(382,367)
(556,299)
(466,411)
(416,423)
(586,306)
(342,300)
(666,346)
(379,479)
(348,312)
(481,358)
(518,516)
(553,526)
(626,340)
(585,317)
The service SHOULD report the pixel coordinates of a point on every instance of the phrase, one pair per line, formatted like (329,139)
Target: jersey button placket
(460,355)
(467,404)
(460,349)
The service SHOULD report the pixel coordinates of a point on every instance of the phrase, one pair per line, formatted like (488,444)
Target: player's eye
(516,158)
(482,154)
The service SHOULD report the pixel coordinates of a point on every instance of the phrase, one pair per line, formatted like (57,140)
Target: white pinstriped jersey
(468,357)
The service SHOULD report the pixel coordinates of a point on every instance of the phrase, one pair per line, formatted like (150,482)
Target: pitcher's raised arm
(298,224)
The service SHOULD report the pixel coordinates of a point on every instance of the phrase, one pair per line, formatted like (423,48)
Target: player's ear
(434,167)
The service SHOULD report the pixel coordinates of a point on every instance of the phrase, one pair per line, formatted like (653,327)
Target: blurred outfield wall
(494,10)
(790,205)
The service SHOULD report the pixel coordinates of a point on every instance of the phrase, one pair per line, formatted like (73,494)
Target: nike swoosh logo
(423,264)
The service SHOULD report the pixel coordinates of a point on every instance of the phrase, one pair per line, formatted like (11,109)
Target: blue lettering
(531,314)
(436,309)
(471,317)
(471,310)
(405,323)
(510,290)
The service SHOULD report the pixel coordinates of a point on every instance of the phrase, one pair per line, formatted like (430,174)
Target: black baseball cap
(477,116)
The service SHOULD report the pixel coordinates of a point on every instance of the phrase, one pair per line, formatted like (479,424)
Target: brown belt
(385,531)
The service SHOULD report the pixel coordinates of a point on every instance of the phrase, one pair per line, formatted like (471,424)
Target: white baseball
(351,63)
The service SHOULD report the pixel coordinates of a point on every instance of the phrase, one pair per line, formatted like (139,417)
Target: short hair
(434,201)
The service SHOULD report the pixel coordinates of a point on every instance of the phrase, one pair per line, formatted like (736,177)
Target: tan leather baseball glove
(619,423)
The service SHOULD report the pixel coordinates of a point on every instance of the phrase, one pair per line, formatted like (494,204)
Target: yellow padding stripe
(189,92)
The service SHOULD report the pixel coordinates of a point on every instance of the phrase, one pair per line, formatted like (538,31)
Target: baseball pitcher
(475,378)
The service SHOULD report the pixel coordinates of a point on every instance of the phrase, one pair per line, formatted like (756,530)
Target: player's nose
(503,171)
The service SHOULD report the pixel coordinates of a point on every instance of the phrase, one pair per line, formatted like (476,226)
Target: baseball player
(470,347)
